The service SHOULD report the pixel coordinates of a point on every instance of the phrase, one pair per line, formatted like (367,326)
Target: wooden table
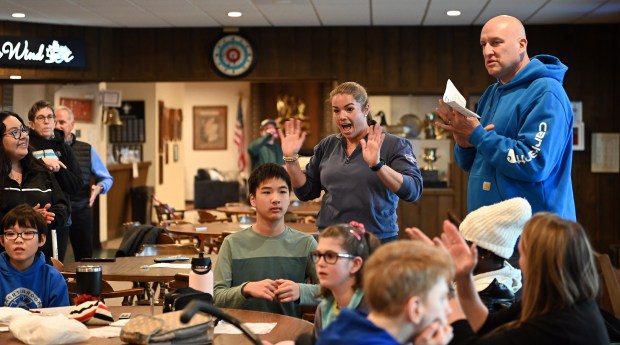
(302,208)
(131,269)
(237,210)
(287,328)
(206,231)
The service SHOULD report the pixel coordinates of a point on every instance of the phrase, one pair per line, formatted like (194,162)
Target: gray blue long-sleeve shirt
(353,191)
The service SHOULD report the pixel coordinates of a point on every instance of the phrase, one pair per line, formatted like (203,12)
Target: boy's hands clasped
(273,290)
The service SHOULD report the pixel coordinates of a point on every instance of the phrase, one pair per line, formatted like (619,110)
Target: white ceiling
(282,13)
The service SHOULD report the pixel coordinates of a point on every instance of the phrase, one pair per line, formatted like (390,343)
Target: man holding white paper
(522,144)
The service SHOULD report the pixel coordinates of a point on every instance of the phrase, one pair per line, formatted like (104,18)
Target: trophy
(430,157)
(429,126)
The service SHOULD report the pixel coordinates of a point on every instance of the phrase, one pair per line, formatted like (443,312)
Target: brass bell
(112,117)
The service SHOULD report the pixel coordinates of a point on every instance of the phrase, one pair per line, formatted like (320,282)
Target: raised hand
(371,148)
(464,257)
(261,289)
(292,137)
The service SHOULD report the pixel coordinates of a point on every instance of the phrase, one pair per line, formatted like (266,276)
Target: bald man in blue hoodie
(522,146)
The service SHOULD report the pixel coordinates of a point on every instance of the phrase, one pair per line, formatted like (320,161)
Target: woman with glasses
(24,179)
(48,145)
(339,257)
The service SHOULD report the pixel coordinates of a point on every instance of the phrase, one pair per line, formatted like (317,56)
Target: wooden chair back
(206,216)
(164,212)
(107,291)
(165,238)
(180,280)
(57,264)
(609,298)
(167,249)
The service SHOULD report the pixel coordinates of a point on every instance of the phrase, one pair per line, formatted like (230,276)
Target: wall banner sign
(42,52)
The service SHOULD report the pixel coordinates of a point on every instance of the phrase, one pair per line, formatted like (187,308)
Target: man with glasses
(267,266)
(26,281)
(48,144)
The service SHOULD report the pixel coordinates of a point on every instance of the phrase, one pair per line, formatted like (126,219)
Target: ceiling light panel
(398,12)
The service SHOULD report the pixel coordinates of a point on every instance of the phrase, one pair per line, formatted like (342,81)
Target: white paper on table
(119,323)
(169,265)
(224,327)
(453,98)
(4,329)
(55,311)
(105,332)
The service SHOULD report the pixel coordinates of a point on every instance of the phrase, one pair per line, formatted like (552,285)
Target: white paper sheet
(105,332)
(454,99)
(224,327)
(169,265)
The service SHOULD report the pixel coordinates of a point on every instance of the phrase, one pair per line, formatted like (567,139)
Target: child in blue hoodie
(26,281)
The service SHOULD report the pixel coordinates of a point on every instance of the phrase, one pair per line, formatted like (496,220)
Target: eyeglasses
(26,235)
(17,132)
(329,256)
(42,118)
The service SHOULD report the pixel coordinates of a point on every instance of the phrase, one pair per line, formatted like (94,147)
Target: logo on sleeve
(533,153)
(411,158)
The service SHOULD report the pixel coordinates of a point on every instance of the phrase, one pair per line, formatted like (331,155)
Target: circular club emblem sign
(233,56)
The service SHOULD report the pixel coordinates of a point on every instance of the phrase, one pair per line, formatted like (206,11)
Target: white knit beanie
(497,227)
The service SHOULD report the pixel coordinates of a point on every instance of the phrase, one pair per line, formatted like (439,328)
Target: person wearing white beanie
(495,230)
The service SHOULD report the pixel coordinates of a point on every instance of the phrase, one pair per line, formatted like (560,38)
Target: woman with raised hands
(559,291)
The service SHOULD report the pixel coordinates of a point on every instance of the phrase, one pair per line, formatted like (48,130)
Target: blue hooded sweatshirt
(39,286)
(529,152)
(352,327)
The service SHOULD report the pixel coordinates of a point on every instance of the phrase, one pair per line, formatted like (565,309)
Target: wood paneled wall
(387,60)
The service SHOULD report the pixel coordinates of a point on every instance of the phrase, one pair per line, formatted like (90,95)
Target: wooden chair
(609,298)
(205,216)
(107,291)
(161,250)
(165,212)
(175,238)
(180,280)
(166,238)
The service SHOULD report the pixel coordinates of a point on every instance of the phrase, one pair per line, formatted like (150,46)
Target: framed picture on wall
(210,127)
(579,136)
(82,108)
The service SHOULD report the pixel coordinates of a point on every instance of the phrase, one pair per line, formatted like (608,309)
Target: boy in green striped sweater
(266,266)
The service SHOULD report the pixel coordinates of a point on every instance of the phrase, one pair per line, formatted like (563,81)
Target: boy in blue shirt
(26,281)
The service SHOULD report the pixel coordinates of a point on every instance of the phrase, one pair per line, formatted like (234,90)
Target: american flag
(238,140)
